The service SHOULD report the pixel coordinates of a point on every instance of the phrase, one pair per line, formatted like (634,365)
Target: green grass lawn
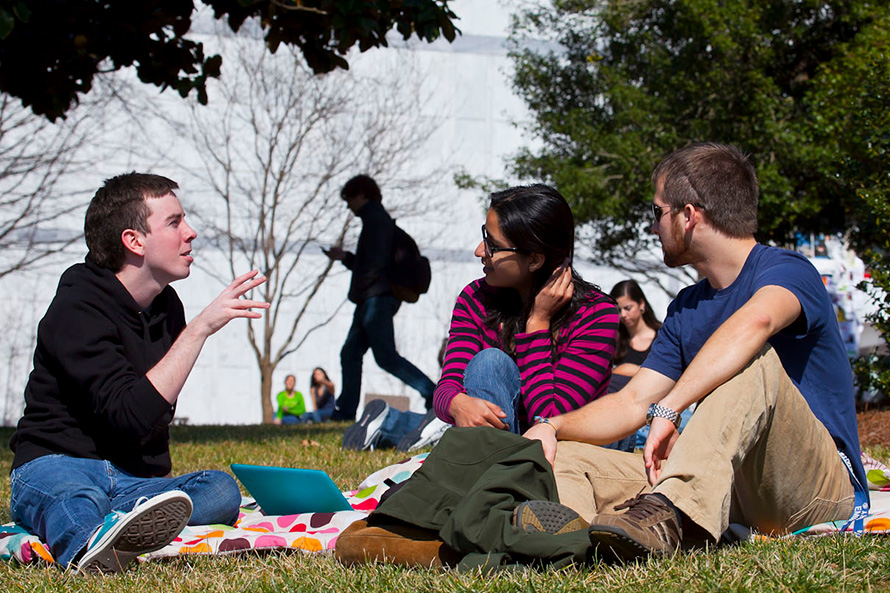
(814,564)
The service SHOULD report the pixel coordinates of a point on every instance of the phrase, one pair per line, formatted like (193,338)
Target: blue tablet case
(289,491)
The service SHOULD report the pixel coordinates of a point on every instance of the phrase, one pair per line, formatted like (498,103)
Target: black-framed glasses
(659,211)
(491,249)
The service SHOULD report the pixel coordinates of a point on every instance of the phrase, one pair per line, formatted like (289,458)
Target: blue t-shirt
(811,349)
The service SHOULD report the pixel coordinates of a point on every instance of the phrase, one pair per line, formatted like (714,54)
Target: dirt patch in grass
(874,428)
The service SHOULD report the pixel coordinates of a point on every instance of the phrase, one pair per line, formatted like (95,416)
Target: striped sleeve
(581,370)
(466,338)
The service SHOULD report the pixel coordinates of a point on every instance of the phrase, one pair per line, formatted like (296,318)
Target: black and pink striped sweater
(552,383)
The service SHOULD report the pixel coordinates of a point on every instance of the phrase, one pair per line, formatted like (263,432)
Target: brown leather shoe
(651,526)
(404,545)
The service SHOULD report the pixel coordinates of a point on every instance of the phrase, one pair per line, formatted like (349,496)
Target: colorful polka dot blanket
(317,532)
(308,532)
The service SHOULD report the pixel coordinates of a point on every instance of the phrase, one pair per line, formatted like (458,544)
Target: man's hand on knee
(662,436)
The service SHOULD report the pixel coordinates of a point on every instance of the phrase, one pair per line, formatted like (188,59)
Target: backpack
(409,272)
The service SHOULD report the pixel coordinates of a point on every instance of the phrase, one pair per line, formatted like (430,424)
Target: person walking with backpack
(375,304)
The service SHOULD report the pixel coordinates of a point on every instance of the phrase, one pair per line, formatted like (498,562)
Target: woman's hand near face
(555,293)
(471,411)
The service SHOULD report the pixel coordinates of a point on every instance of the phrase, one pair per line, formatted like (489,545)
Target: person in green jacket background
(290,403)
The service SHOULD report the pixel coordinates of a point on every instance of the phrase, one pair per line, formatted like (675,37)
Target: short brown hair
(717,178)
(117,206)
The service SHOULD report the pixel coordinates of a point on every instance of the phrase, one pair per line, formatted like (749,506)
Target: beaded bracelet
(542,420)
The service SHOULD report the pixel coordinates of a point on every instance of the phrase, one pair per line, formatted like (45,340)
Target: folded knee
(216,500)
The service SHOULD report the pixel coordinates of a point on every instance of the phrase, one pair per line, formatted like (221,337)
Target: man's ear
(693,215)
(535,261)
(133,242)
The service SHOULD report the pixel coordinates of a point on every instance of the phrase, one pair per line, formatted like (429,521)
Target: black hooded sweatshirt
(373,255)
(88,395)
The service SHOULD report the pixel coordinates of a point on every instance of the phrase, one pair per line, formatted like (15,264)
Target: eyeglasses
(659,211)
(491,249)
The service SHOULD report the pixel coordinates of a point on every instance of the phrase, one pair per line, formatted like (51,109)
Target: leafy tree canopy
(50,50)
(618,84)
(861,116)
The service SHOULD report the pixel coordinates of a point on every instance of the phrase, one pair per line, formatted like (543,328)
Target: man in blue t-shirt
(773,443)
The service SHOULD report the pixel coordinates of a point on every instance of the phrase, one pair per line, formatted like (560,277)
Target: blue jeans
(490,375)
(64,500)
(628,443)
(372,328)
(321,415)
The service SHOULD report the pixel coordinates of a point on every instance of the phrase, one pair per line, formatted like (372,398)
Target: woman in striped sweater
(528,341)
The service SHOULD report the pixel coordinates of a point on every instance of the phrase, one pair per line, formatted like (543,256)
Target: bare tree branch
(39,188)
(274,159)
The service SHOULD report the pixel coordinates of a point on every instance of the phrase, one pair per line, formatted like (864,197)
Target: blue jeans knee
(215,497)
(493,376)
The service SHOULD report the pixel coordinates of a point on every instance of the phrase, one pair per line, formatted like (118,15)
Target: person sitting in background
(290,403)
(637,331)
(529,341)
(321,389)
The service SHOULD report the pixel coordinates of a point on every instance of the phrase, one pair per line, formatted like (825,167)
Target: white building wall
(476,113)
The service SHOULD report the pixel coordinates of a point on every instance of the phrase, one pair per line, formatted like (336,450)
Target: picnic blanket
(318,532)
(307,532)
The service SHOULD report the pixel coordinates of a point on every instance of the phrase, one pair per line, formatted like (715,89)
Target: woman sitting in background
(635,334)
(321,389)
(290,403)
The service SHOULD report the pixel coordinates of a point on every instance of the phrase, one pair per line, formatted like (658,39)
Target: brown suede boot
(404,545)
(651,526)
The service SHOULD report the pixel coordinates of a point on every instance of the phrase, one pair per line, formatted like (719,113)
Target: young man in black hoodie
(90,475)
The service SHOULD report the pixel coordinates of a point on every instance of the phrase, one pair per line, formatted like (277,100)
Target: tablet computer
(290,491)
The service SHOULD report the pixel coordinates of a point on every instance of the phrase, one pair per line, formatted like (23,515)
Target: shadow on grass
(255,433)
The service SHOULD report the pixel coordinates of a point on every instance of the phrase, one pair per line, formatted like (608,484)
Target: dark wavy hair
(631,290)
(312,381)
(536,219)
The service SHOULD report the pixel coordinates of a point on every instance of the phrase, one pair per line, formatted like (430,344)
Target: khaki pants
(753,453)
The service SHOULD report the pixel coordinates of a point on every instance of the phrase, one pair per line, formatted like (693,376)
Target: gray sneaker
(543,516)
(651,526)
(152,524)
(365,433)
(428,433)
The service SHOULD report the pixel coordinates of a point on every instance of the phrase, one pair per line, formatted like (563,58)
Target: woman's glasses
(491,249)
